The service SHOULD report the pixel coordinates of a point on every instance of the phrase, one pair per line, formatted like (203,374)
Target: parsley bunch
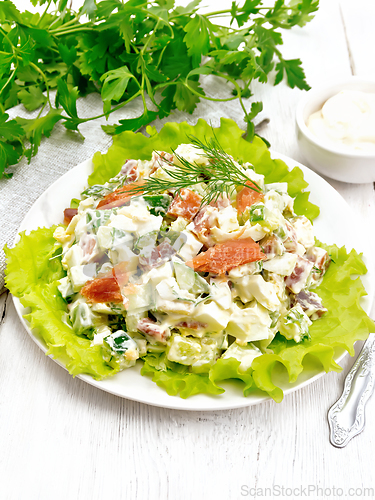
(133,49)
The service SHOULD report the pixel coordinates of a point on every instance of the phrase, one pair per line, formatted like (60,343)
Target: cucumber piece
(82,318)
(189,280)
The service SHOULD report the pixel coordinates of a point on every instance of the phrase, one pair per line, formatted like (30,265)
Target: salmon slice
(102,290)
(185,204)
(247,196)
(107,287)
(119,197)
(69,213)
(225,256)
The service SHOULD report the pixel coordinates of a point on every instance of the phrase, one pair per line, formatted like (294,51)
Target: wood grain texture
(63,439)
(360,34)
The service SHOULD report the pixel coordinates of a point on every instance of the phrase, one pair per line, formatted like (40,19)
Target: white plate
(331,227)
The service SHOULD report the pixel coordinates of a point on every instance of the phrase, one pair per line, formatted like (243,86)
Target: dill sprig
(221,176)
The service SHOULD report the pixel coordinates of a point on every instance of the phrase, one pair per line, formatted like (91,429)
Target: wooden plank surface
(63,439)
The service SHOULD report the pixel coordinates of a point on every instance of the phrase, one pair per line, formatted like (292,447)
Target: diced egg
(78,277)
(72,224)
(81,227)
(220,293)
(85,204)
(211,314)
(190,246)
(256,232)
(227,219)
(137,219)
(102,308)
(304,230)
(281,264)
(158,274)
(294,324)
(179,224)
(253,176)
(123,222)
(104,236)
(61,235)
(73,257)
(249,324)
(191,154)
(65,287)
(255,286)
(279,187)
(274,201)
(101,332)
(245,269)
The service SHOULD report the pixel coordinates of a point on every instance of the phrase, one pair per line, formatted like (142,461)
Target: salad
(195,262)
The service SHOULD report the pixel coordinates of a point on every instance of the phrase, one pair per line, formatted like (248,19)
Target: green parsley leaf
(184,98)
(9,12)
(136,123)
(36,128)
(67,97)
(32,98)
(294,73)
(137,48)
(197,37)
(68,54)
(10,130)
(115,83)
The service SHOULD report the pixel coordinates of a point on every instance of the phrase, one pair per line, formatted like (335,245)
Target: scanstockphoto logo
(306,491)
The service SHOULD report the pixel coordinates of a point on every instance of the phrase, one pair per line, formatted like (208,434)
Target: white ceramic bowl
(356,167)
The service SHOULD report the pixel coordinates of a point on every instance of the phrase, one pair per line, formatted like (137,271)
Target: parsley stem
(215,99)
(239,91)
(239,11)
(5,34)
(84,120)
(150,37)
(63,26)
(72,29)
(158,19)
(45,83)
(9,79)
(68,25)
(44,13)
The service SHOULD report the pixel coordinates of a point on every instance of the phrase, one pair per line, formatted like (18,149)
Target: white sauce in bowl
(346,120)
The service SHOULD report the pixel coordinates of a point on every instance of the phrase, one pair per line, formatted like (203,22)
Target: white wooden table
(60,438)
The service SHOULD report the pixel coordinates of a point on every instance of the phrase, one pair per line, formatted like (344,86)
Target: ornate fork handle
(346,417)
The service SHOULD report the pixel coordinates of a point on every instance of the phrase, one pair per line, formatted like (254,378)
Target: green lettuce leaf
(343,324)
(136,145)
(227,369)
(32,274)
(178,380)
(31,261)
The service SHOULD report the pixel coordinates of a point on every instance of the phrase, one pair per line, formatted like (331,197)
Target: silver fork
(346,417)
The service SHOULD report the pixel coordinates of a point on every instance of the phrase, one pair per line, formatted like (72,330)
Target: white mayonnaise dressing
(346,120)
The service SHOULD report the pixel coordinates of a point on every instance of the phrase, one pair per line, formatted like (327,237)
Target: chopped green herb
(256,213)
(158,204)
